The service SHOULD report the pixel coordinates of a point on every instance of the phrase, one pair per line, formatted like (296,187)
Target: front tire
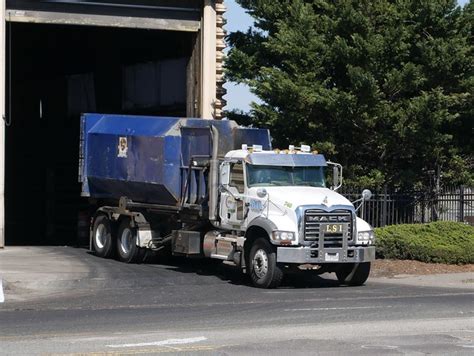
(102,239)
(354,274)
(127,249)
(264,271)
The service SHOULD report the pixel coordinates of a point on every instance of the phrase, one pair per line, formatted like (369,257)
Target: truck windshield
(285,176)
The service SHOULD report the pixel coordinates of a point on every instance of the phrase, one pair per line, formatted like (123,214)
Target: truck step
(219,257)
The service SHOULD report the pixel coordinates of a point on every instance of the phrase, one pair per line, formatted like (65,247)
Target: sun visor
(288,160)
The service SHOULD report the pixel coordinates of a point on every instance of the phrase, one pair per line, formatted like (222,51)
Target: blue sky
(239,96)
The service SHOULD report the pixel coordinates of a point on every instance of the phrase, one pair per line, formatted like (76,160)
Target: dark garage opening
(57,73)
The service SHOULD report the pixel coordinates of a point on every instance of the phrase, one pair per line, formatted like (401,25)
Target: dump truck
(214,189)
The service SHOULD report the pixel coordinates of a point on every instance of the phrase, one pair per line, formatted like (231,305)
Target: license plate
(332,229)
(331,257)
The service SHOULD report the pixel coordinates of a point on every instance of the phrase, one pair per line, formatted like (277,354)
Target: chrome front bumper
(304,255)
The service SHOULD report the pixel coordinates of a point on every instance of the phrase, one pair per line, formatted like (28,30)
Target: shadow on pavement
(233,275)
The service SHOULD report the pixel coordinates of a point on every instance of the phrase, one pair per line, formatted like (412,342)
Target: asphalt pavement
(61,300)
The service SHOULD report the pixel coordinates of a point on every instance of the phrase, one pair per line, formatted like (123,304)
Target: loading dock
(63,58)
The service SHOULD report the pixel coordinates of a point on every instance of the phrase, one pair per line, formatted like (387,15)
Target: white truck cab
(281,199)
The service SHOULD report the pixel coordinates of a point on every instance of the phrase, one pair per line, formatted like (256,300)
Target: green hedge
(439,242)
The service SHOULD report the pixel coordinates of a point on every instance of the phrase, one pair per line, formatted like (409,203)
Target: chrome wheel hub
(100,236)
(126,241)
(260,263)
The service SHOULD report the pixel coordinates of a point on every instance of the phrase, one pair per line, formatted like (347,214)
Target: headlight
(365,237)
(280,236)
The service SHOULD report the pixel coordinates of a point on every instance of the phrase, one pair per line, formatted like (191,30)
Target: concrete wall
(213,40)
(208,70)
(2,123)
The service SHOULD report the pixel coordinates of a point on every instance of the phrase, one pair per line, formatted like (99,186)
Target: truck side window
(237,176)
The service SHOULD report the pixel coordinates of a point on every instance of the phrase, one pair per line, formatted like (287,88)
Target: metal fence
(390,208)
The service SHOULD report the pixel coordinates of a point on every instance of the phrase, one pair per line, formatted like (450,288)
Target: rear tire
(263,268)
(354,274)
(127,249)
(102,239)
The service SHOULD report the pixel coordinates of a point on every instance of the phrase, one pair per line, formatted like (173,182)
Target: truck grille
(317,220)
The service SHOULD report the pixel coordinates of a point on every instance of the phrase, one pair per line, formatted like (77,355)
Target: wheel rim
(126,241)
(260,263)
(100,236)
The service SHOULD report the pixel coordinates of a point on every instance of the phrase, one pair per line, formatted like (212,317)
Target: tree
(384,87)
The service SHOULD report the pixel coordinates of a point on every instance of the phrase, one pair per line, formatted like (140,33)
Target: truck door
(232,205)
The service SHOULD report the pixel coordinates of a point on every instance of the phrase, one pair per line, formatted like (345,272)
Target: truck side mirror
(335,176)
(262,192)
(225,174)
(366,194)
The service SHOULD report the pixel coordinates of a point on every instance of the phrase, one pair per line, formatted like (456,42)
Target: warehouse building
(60,58)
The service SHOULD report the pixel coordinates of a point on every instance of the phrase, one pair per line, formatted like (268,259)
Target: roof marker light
(257,148)
(291,148)
(305,148)
(244,147)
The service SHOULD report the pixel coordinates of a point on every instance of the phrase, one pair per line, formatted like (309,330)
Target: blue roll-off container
(146,158)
